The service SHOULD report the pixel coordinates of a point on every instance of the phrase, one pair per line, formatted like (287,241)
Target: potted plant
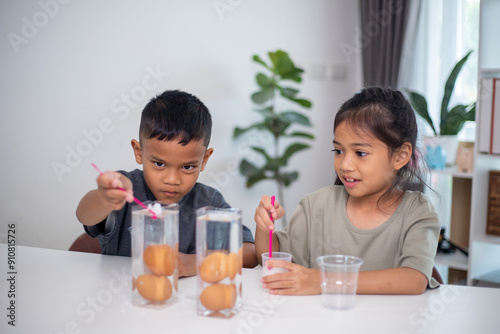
(279,123)
(452,119)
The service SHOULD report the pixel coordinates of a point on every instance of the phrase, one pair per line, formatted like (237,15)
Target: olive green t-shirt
(320,226)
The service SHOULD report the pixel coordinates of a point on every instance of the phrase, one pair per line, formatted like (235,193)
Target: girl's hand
(108,185)
(265,210)
(298,280)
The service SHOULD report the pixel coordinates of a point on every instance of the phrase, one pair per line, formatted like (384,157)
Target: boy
(173,148)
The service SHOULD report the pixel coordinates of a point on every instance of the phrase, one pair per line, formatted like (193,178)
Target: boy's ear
(136,146)
(207,155)
(403,156)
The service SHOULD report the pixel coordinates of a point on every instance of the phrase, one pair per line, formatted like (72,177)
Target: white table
(69,292)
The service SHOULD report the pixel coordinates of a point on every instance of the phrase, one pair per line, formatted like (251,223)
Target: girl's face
(364,163)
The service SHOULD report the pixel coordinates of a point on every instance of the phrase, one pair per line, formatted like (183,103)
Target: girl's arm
(262,243)
(393,281)
(264,224)
(305,281)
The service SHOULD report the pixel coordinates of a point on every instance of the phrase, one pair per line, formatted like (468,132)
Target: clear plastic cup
(155,248)
(219,260)
(275,256)
(339,280)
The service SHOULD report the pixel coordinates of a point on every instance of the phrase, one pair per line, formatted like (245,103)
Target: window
(447,30)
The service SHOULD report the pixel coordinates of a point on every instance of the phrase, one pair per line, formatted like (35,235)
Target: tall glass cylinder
(155,248)
(219,258)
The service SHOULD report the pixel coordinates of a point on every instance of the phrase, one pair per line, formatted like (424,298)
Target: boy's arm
(91,210)
(187,262)
(187,265)
(97,204)
(249,257)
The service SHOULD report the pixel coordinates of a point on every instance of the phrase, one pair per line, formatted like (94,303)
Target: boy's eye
(336,151)
(159,164)
(189,167)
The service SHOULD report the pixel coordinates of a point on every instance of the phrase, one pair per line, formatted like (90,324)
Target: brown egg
(217,297)
(214,268)
(234,264)
(154,288)
(240,259)
(161,259)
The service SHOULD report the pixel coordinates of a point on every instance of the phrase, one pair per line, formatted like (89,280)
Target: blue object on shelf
(435,157)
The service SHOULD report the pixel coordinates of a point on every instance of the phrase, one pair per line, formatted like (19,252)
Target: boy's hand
(298,281)
(265,210)
(108,185)
(187,265)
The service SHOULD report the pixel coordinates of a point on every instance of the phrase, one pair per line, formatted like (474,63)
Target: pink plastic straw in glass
(135,199)
(271,232)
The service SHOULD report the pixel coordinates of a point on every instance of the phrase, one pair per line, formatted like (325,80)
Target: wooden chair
(84,243)
(437,276)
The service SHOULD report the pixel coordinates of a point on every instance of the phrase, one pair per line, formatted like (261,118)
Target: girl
(368,213)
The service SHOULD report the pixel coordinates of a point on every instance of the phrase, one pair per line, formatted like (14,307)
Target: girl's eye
(361,154)
(159,164)
(337,151)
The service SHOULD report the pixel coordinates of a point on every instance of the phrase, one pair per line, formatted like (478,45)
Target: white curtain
(446,31)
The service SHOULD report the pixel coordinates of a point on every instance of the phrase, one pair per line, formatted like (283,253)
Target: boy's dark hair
(176,114)
(387,115)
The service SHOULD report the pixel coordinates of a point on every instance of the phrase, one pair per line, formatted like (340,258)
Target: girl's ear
(207,155)
(136,146)
(402,156)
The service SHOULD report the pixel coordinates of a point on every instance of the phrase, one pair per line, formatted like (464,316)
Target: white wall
(70,67)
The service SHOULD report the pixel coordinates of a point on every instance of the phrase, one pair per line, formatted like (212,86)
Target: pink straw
(135,199)
(271,231)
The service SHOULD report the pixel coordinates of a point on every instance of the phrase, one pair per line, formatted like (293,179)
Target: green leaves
(282,68)
(419,103)
(457,117)
(281,124)
(451,121)
(277,124)
(272,166)
(449,87)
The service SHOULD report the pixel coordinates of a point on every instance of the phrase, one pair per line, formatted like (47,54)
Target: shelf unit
(468,201)
(454,209)
(484,250)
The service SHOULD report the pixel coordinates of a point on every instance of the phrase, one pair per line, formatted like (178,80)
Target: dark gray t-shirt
(113,233)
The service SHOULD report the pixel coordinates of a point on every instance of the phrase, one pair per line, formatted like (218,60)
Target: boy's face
(171,169)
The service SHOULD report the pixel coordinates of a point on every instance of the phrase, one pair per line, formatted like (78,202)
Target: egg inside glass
(155,247)
(219,260)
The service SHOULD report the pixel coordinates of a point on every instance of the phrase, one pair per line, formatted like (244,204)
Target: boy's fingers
(130,196)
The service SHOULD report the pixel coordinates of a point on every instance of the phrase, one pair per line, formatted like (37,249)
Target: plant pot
(441,151)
